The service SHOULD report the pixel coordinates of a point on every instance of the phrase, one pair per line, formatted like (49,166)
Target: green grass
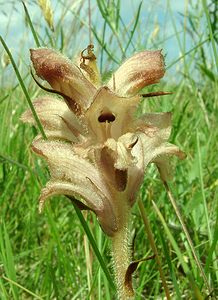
(43,256)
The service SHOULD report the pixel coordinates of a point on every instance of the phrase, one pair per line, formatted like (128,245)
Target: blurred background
(119,28)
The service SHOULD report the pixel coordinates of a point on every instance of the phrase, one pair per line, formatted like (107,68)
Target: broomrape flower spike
(97,150)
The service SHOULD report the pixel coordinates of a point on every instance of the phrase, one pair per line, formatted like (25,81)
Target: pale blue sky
(20,39)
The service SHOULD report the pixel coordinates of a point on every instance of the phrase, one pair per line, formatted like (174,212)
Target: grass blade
(153,246)
(134,27)
(196,292)
(7,258)
(31,25)
(186,53)
(22,288)
(170,265)
(94,246)
(210,32)
(185,230)
(23,88)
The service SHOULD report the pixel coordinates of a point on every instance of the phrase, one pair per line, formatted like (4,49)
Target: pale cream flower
(97,150)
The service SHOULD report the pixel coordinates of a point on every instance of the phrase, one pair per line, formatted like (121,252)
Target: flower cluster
(96,148)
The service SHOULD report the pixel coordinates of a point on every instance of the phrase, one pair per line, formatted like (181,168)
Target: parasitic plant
(96,149)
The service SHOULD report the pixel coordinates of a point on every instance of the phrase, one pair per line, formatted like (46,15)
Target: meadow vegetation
(49,256)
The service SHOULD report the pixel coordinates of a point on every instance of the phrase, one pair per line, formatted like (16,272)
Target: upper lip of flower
(85,100)
(142,69)
(109,149)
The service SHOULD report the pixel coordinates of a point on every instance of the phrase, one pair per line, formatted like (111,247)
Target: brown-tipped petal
(56,118)
(71,103)
(106,216)
(140,70)
(62,75)
(65,165)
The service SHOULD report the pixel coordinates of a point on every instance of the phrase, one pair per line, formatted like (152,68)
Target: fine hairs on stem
(121,261)
(121,256)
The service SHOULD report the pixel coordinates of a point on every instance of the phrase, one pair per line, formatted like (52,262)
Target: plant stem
(153,246)
(121,261)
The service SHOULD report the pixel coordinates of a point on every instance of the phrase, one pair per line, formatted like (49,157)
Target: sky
(155,23)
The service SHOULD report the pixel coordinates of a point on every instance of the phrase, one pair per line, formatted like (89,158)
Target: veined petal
(88,195)
(110,115)
(149,150)
(56,118)
(80,191)
(65,165)
(63,76)
(154,147)
(155,123)
(142,69)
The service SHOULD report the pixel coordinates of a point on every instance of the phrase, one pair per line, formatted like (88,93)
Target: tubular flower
(96,149)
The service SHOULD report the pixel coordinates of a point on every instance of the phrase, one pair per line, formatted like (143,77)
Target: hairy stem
(121,261)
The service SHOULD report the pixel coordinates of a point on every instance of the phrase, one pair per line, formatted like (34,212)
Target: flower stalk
(121,260)
(121,254)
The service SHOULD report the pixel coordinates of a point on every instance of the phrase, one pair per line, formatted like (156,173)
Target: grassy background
(48,256)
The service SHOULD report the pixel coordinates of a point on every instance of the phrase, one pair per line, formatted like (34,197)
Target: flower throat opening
(106,117)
